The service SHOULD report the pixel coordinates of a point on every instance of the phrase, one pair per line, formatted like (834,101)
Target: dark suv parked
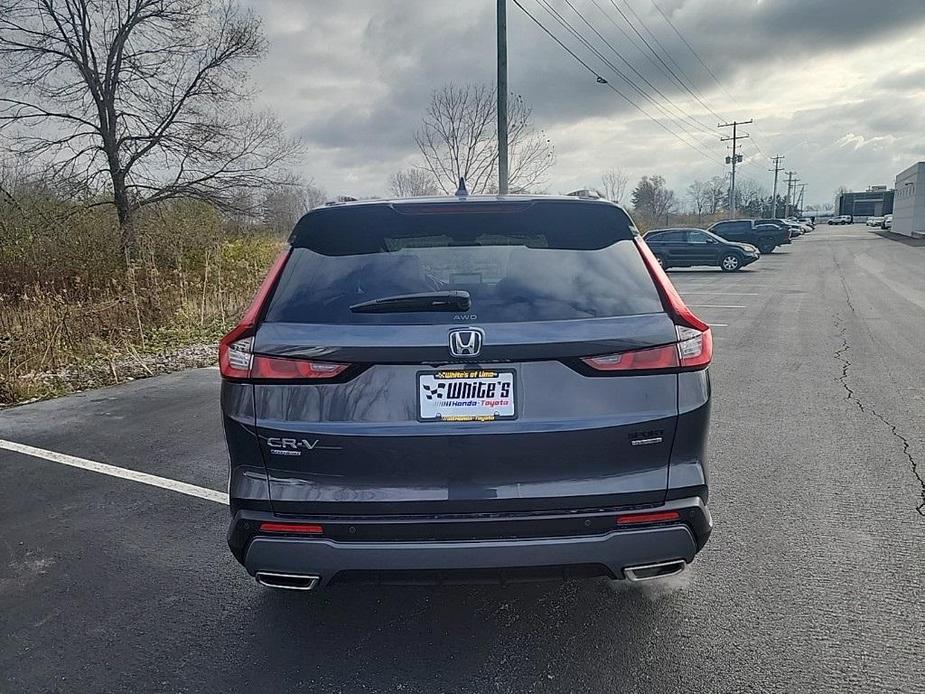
(466,389)
(763,236)
(688,247)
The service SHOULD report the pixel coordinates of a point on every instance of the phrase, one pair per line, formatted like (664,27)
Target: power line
(693,52)
(790,182)
(703,63)
(777,169)
(602,80)
(734,159)
(697,124)
(681,82)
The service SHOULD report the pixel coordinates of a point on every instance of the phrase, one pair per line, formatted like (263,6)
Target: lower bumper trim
(325,558)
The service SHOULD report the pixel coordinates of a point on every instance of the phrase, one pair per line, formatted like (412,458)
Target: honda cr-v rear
(466,389)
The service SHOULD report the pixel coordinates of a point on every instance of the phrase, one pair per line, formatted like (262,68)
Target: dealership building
(909,205)
(876,201)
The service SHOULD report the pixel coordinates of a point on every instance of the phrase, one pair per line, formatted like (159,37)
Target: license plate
(478,395)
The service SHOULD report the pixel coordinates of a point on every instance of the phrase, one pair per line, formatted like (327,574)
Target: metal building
(876,201)
(909,205)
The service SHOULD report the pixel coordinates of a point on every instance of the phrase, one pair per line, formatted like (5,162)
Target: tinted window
(731,227)
(543,261)
(666,237)
(696,237)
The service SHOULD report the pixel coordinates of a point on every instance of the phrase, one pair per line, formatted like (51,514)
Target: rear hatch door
(489,408)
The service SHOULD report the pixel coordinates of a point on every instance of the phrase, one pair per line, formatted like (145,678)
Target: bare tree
(283,204)
(314,195)
(614,182)
(142,98)
(458,139)
(410,183)
(653,198)
(700,193)
(716,192)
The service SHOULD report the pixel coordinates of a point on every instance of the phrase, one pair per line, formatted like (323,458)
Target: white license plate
(478,395)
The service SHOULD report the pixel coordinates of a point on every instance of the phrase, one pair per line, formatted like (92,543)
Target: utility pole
(800,200)
(777,169)
(790,181)
(734,159)
(502,98)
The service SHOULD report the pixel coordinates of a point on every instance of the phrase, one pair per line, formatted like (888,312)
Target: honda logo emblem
(466,342)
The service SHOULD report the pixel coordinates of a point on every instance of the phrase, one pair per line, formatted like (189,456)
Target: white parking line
(715,306)
(726,293)
(718,325)
(112,470)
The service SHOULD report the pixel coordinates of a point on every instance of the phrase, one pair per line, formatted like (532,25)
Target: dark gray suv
(466,389)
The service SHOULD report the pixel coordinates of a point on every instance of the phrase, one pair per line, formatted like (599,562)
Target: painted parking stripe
(716,306)
(725,293)
(113,471)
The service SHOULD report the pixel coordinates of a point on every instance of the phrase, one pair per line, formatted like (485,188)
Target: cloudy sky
(836,86)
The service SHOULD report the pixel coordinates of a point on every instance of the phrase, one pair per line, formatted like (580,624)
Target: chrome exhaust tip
(287,581)
(647,572)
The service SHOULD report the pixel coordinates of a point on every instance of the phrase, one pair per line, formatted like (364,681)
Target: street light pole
(502,99)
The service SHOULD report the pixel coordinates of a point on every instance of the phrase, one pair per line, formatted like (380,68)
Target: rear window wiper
(456,300)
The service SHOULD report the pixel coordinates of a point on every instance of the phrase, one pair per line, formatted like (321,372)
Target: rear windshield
(540,261)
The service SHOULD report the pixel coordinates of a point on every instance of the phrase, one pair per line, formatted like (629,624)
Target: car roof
(463,199)
(652,231)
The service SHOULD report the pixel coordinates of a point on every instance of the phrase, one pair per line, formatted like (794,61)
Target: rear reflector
(291,528)
(654,517)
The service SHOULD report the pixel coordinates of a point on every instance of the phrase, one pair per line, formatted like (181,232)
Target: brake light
(282,368)
(234,350)
(291,528)
(672,301)
(641,359)
(654,517)
(695,340)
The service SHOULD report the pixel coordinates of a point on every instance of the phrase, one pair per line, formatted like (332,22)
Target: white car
(887,222)
(840,219)
(874,221)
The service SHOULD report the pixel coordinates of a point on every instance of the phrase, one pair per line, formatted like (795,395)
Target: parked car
(808,221)
(874,221)
(840,219)
(421,391)
(887,222)
(764,237)
(793,228)
(689,247)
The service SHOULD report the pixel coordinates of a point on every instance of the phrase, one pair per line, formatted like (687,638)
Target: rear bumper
(605,553)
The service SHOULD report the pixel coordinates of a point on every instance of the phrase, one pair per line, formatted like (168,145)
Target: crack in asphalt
(841,354)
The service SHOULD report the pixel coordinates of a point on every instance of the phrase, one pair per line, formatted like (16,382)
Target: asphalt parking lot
(813,579)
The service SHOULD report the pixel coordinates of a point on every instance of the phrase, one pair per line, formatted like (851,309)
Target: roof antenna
(461,191)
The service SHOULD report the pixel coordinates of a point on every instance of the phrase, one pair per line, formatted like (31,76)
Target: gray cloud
(353,79)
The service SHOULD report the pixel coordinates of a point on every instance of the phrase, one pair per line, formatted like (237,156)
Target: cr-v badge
(466,342)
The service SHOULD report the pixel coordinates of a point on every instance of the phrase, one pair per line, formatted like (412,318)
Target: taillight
(695,347)
(287,369)
(234,350)
(695,341)
(641,359)
(236,358)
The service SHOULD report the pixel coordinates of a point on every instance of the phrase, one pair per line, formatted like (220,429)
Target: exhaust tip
(287,581)
(647,572)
